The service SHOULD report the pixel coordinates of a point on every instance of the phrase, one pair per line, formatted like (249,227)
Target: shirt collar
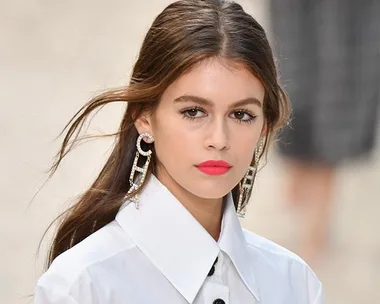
(177,244)
(232,241)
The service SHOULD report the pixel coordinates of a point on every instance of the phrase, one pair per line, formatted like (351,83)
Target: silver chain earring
(247,183)
(136,179)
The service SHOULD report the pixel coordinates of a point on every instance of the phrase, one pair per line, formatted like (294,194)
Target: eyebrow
(206,102)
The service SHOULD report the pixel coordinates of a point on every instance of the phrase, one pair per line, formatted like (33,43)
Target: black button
(212,270)
(218,301)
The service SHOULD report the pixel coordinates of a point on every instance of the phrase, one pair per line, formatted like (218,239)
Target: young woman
(159,224)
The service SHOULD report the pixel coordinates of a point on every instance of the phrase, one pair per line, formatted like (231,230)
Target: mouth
(214,167)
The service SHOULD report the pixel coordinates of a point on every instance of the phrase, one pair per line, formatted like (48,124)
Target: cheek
(171,138)
(244,144)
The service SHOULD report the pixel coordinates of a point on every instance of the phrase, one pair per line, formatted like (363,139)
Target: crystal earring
(136,179)
(247,184)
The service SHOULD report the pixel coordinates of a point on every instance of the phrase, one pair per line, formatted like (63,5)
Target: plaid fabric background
(328,54)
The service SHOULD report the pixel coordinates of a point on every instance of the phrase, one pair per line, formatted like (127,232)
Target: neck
(208,212)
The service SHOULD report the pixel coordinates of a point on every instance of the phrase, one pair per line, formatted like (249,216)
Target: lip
(214,167)
(215,163)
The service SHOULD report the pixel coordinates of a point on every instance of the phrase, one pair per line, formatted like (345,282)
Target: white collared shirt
(161,254)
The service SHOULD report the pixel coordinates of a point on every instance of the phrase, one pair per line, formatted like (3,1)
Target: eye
(243,116)
(193,113)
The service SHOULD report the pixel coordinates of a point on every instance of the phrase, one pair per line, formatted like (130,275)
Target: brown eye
(242,116)
(192,112)
(239,115)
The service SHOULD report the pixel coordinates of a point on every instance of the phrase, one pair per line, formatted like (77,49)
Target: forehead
(219,80)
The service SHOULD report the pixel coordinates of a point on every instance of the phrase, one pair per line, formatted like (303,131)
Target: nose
(217,136)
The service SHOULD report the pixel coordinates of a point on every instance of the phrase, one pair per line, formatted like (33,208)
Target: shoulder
(269,248)
(78,267)
(278,266)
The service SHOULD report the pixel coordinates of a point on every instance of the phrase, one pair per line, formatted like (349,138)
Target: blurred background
(55,55)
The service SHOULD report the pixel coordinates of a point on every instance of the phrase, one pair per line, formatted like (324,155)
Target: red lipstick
(214,167)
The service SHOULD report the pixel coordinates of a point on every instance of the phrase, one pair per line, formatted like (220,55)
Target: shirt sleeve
(46,295)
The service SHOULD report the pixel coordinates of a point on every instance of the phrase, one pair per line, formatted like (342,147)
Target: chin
(211,189)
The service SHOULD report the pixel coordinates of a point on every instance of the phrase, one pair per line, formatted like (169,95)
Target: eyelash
(248,121)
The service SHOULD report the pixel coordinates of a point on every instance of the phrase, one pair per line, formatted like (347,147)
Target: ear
(144,124)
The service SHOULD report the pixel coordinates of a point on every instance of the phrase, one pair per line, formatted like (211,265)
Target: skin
(188,131)
(310,188)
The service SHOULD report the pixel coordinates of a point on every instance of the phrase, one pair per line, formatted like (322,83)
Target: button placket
(215,293)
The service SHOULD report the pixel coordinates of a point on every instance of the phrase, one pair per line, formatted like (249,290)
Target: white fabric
(161,254)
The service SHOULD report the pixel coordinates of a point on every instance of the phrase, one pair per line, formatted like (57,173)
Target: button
(212,270)
(219,301)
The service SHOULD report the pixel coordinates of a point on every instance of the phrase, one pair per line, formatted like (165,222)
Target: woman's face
(214,112)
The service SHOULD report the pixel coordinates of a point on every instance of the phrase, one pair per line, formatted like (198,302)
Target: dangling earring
(247,184)
(134,180)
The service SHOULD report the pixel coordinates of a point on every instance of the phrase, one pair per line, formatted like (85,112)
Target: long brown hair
(185,33)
